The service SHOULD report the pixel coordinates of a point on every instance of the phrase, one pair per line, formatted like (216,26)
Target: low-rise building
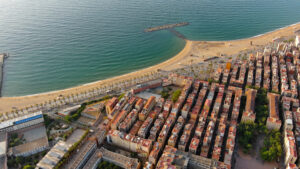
(207,138)
(148,85)
(288,120)
(93,111)
(147,108)
(118,119)
(154,131)
(155,153)
(290,147)
(163,135)
(52,158)
(129,121)
(297,40)
(193,148)
(144,129)
(236,104)
(176,131)
(134,130)
(219,139)
(103,154)
(273,121)
(110,106)
(186,135)
(130,142)
(249,113)
(12,124)
(230,145)
(30,148)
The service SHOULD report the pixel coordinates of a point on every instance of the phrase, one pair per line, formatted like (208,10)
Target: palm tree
(131,82)
(136,80)
(36,106)
(71,98)
(82,95)
(97,90)
(77,97)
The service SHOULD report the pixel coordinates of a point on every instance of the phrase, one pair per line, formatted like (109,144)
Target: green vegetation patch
(249,131)
(108,165)
(247,134)
(15,140)
(176,95)
(76,114)
(47,120)
(164,94)
(25,162)
(261,109)
(272,148)
(289,40)
(121,96)
(71,150)
(28,166)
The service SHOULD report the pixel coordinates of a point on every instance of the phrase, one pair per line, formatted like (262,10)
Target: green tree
(107,165)
(28,167)
(20,160)
(68,118)
(47,120)
(247,134)
(121,96)
(176,95)
(11,162)
(272,148)
(261,108)
(164,94)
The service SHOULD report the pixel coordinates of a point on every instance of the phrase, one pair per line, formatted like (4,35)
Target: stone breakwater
(169,26)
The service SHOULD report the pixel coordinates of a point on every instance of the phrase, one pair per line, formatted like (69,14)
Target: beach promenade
(193,52)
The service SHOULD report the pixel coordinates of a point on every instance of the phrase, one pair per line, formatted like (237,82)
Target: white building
(12,124)
(297,40)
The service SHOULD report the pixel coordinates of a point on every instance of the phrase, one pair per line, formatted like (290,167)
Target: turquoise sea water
(58,44)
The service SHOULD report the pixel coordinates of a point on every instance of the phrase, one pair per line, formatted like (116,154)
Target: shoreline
(119,76)
(96,82)
(205,49)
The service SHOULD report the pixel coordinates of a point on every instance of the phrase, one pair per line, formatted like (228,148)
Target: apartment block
(273,121)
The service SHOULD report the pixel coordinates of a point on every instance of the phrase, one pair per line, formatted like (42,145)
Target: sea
(57,44)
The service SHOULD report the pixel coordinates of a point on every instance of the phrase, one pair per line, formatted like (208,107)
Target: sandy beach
(194,51)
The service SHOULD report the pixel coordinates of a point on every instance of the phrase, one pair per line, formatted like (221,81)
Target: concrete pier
(169,26)
(2,59)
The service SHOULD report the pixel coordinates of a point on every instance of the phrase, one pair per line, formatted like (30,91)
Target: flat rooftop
(75,136)
(29,146)
(146,95)
(35,133)
(273,104)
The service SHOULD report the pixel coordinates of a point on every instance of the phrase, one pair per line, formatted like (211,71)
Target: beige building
(249,114)
(273,121)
